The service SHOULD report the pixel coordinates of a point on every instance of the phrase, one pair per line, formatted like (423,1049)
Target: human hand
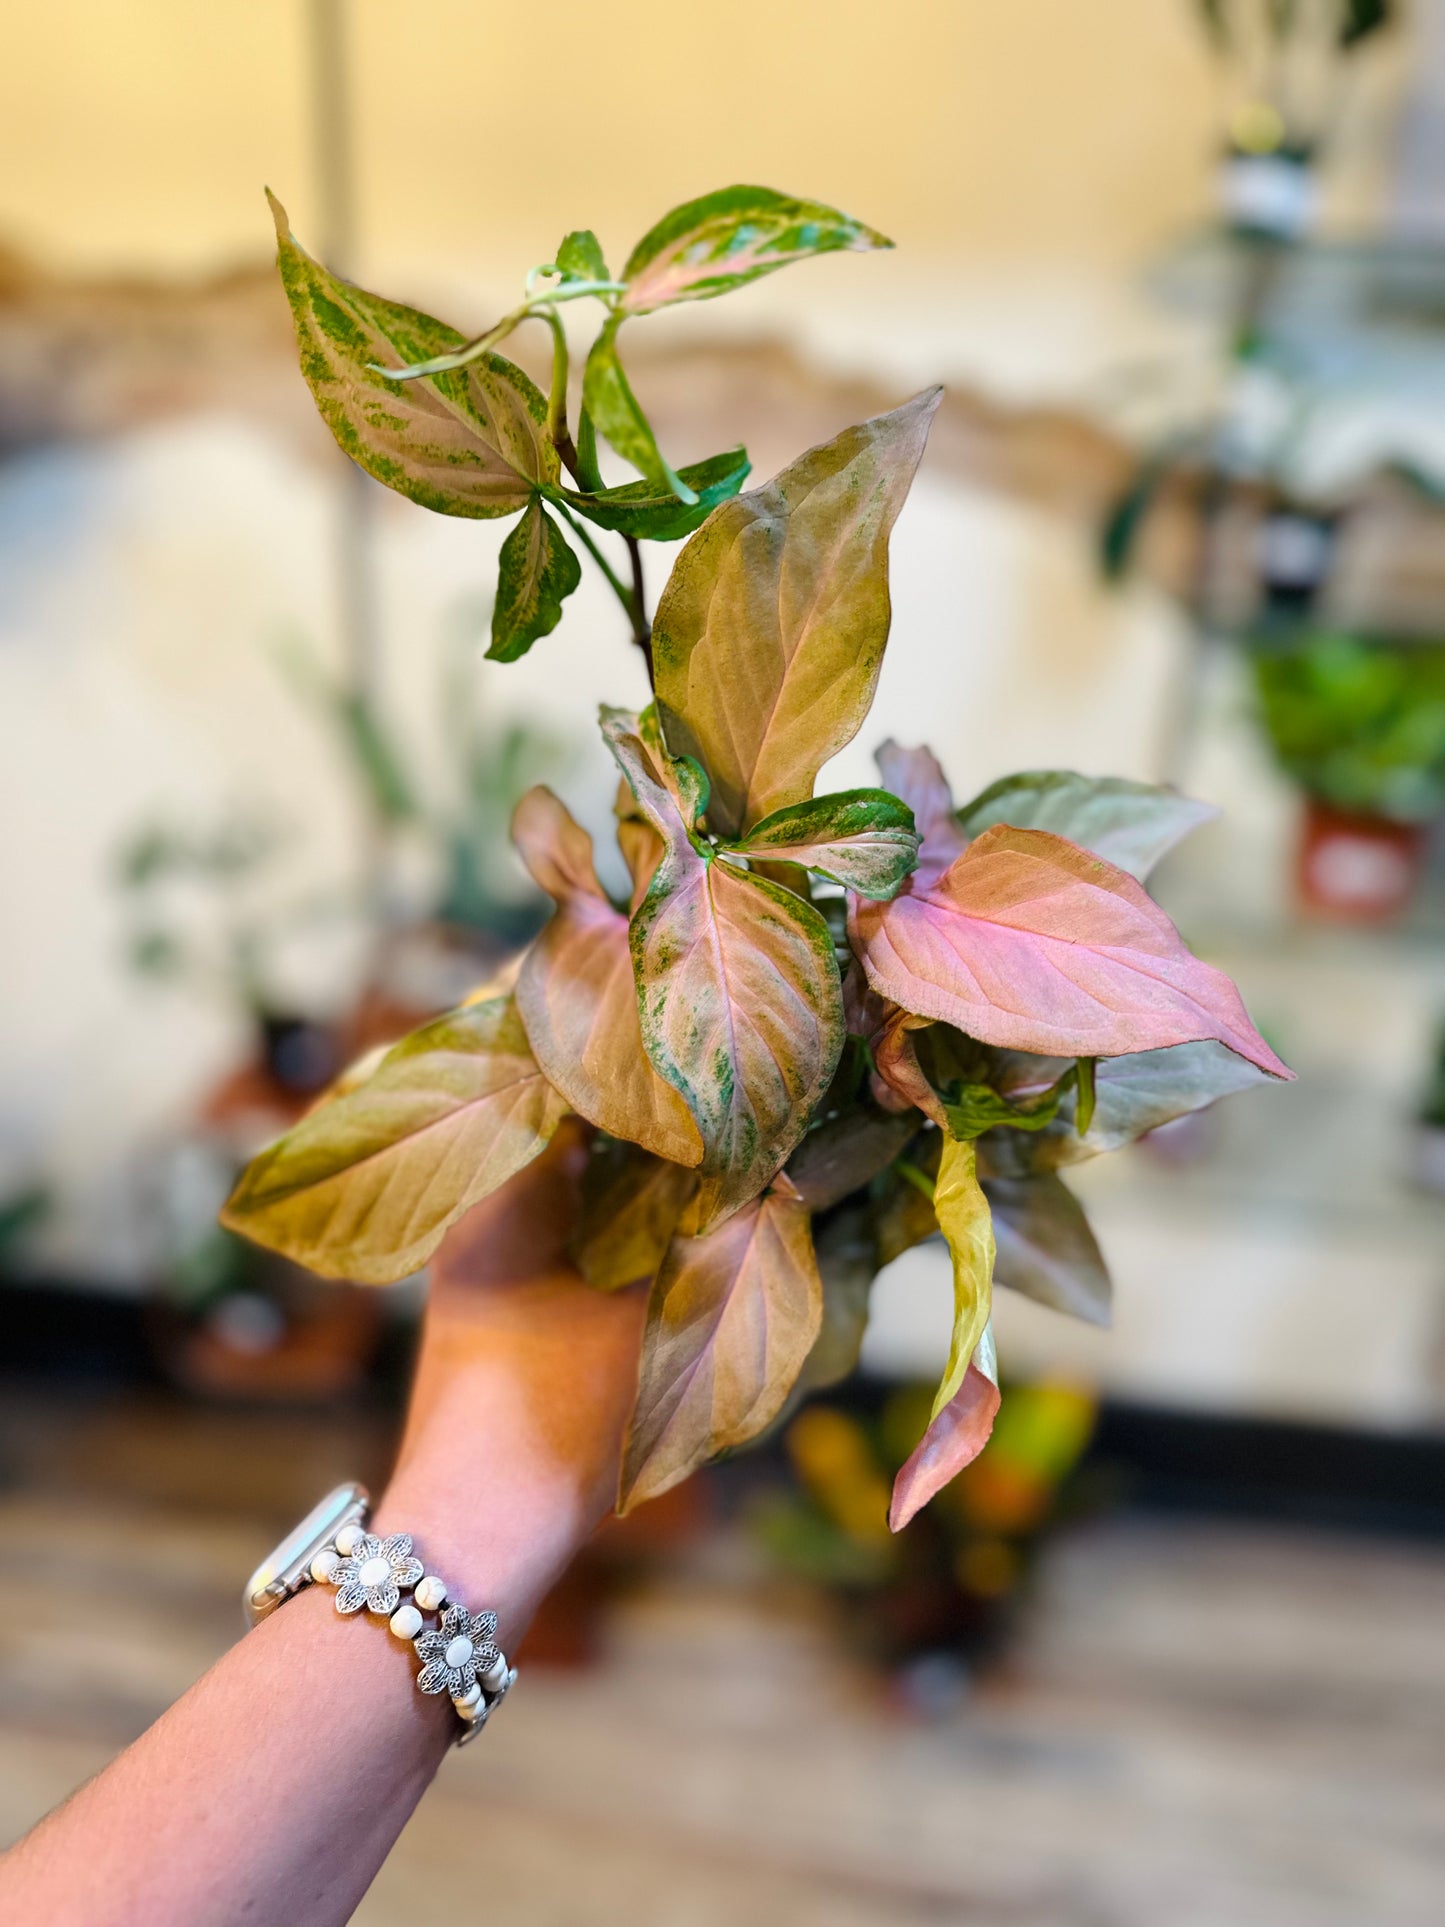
(523,1386)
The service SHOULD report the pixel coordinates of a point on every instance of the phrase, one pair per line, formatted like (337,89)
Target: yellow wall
(1072,129)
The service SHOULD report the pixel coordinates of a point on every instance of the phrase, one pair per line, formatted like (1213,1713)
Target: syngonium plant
(822,1028)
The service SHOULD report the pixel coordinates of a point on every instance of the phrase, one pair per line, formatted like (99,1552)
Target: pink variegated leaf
(1028,942)
(737,987)
(731,1320)
(576,997)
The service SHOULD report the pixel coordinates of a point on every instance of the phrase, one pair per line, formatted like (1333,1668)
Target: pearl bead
(374,1573)
(323,1567)
(495,1673)
(406,1622)
(348,1539)
(430,1593)
(458,1653)
(464,1702)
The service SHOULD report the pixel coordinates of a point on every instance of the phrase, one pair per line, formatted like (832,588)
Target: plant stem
(618,587)
(641,626)
(557,395)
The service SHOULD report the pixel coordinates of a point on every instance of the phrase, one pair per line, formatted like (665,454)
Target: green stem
(557,395)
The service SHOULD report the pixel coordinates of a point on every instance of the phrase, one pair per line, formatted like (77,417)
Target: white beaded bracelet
(459,1654)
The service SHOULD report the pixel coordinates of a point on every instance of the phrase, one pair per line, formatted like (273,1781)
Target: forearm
(274,1789)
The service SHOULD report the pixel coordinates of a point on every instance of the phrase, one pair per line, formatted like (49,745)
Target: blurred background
(1170,1652)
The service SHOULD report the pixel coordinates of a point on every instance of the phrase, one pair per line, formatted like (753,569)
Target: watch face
(283,1570)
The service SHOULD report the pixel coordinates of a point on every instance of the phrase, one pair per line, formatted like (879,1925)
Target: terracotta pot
(1355,868)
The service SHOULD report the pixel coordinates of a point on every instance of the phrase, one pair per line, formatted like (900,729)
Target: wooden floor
(1200,1726)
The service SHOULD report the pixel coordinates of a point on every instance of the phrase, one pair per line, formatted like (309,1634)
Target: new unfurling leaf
(864,839)
(367,1183)
(770,633)
(724,240)
(738,990)
(576,994)
(732,1318)
(470,442)
(967,1399)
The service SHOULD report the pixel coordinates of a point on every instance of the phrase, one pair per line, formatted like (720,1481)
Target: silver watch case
(286,1569)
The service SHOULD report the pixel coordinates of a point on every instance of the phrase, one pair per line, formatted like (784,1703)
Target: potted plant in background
(1359,725)
(821,1028)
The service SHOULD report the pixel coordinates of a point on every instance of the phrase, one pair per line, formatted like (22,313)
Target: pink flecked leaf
(576,998)
(1028,942)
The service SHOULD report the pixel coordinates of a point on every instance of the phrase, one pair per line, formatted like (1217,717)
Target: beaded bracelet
(459,1654)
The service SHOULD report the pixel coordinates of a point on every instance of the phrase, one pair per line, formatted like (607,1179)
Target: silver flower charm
(375,1574)
(463,1646)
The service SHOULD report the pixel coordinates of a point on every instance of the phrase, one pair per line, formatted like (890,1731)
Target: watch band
(331,1547)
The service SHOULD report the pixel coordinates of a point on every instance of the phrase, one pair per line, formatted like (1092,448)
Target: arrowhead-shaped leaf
(1133,1095)
(469,442)
(653,514)
(616,413)
(1129,824)
(916,776)
(770,633)
(963,1411)
(631,1205)
(366,1184)
(863,839)
(738,990)
(1045,1247)
(724,240)
(731,1319)
(537,571)
(1029,942)
(577,998)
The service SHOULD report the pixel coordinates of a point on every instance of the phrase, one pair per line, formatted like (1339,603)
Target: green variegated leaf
(580,257)
(641,511)
(631,1205)
(536,572)
(469,442)
(616,414)
(770,633)
(724,240)
(1045,1247)
(367,1183)
(738,990)
(732,1317)
(863,839)
(1128,824)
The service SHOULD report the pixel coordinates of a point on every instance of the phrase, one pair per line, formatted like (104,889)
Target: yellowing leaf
(770,633)
(577,997)
(709,246)
(366,1184)
(468,442)
(731,1320)
(863,839)
(1029,942)
(738,990)
(536,572)
(962,1414)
